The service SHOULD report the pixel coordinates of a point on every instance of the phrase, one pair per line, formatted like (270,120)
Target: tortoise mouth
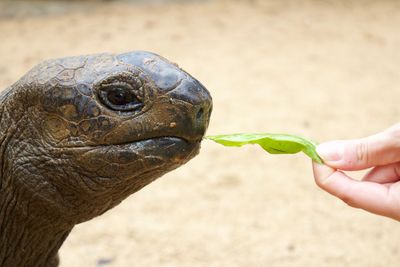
(161,139)
(172,149)
(142,155)
(153,156)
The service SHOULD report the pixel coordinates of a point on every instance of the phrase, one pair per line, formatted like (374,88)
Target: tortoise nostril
(200,114)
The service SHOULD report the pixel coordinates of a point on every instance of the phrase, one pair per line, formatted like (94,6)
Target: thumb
(379,149)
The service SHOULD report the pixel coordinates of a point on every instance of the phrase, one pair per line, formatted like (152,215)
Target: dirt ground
(321,69)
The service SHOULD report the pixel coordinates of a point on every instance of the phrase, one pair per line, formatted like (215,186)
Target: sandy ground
(322,69)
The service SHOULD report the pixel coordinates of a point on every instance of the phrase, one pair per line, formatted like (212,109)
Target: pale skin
(378,191)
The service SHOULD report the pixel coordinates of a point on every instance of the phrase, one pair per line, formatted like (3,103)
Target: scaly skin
(80,134)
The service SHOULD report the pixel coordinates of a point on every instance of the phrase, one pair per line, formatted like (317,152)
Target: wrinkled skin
(78,135)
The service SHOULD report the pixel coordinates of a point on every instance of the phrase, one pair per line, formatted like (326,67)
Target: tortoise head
(89,131)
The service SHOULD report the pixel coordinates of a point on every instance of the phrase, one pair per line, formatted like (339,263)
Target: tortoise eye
(120,97)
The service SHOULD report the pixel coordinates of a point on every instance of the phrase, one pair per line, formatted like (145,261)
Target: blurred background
(321,69)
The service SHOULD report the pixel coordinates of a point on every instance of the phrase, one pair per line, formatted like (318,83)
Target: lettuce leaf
(272,143)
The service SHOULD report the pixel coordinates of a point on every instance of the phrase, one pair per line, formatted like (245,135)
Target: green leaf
(272,143)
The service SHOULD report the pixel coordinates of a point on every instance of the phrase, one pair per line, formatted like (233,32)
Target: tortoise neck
(24,240)
(29,236)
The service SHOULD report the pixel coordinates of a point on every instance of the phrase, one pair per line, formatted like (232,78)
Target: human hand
(379,190)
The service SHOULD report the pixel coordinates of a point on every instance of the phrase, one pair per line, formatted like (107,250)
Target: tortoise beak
(198,104)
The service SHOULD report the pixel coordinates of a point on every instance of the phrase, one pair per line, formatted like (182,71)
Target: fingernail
(330,151)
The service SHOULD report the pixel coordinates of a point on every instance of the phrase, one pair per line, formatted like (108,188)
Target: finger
(358,154)
(384,174)
(372,197)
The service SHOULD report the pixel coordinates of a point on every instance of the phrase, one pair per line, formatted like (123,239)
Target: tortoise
(80,134)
